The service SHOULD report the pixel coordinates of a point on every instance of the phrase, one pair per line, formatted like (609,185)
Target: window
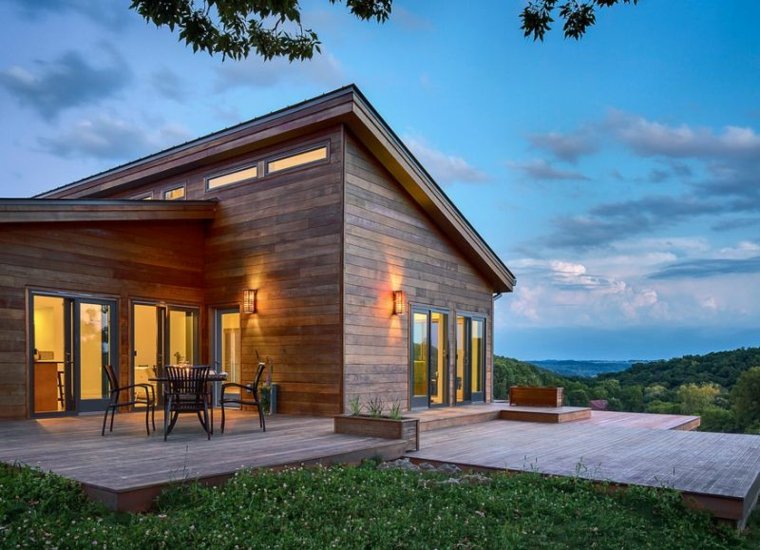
(175,193)
(143,197)
(298,159)
(232,177)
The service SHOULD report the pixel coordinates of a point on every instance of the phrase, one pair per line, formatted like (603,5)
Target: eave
(85,210)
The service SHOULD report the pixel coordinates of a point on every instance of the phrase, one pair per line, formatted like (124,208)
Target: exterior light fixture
(399,302)
(249,300)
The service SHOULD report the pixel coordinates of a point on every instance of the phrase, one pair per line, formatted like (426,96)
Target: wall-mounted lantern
(399,302)
(249,300)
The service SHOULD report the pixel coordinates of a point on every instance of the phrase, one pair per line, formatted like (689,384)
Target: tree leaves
(235,28)
(578,16)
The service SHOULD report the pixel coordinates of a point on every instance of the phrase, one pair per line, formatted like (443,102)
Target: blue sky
(618,176)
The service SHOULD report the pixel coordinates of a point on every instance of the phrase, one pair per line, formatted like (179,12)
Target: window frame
(174,187)
(229,171)
(295,152)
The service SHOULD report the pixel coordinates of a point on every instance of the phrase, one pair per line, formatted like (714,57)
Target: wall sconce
(399,302)
(249,300)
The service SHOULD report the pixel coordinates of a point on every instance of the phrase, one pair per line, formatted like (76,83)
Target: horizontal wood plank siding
(282,235)
(121,260)
(391,244)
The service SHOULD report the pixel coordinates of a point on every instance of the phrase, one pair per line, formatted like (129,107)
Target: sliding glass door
(72,339)
(429,357)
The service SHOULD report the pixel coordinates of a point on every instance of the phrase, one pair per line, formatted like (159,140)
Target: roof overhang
(346,106)
(87,210)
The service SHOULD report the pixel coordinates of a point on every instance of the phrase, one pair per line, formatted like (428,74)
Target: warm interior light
(249,300)
(399,302)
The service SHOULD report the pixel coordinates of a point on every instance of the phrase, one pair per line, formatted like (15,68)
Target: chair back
(257,378)
(111,375)
(187,381)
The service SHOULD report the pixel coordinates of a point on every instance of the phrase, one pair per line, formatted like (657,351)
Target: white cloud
(445,168)
(568,147)
(107,137)
(323,70)
(540,169)
(650,138)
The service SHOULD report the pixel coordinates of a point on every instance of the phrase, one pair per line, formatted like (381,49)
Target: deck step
(549,415)
(439,423)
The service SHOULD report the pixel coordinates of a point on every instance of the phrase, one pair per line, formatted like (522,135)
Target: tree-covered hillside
(722,368)
(723,387)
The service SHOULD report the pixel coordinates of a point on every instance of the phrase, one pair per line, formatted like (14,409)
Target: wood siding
(391,244)
(284,238)
(280,234)
(121,260)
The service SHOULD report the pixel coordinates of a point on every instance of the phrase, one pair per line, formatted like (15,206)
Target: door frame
(72,349)
(420,402)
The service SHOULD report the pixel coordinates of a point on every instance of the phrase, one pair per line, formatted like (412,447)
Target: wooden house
(310,236)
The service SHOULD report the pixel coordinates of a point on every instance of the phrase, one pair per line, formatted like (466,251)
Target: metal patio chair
(149,400)
(249,395)
(186,392)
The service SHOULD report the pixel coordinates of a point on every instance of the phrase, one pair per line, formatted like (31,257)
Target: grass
(363,507)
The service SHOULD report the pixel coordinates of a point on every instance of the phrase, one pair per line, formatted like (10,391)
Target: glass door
(429,357)
(148,321)
(51,354)
(96,346)
(470,360)
(162,335)
(227,344)
(182,336)
(72,339)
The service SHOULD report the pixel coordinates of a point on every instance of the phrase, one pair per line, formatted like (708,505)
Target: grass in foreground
(361,508)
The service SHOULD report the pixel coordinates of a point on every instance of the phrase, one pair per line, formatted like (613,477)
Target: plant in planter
(377,424)
(268,390)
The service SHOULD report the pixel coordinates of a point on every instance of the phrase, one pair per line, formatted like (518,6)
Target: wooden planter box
(378,426)
(533,396)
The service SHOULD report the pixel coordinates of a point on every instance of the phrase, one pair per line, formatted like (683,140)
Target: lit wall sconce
(399,302)
(249,300)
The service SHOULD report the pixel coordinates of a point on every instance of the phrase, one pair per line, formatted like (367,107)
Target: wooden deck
(448,417)
(720,472)
(127,469)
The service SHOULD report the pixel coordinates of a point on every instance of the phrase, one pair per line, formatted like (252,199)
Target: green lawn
(361,508)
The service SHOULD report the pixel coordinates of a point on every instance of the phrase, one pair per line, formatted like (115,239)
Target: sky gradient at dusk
(618,177)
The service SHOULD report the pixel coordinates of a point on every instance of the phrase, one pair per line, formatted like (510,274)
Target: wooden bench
(534,396)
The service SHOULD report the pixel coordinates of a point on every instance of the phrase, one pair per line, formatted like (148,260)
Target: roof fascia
(67,210)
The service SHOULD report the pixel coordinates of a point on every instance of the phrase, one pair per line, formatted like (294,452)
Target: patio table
(213,377)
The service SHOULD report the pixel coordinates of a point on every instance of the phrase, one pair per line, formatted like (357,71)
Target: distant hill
(722,368)
(587,369)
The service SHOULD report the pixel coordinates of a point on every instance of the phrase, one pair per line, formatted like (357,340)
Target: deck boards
(718,466)
(127,460)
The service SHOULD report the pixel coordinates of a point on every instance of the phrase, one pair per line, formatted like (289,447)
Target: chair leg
(222,415)
(209,427)
(113,413)
(147,418)
(261,418)
(153,415)
(167,408)
(105,417)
